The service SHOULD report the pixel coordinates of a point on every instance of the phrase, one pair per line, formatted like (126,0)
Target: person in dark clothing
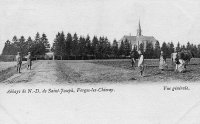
(19,62)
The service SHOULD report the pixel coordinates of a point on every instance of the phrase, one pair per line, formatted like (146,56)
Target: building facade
(139,39)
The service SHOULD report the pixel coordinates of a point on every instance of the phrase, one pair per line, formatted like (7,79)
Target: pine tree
(171,48)
(188,47)
(198,51)
(182,47)
(62,43)
(7,48)
(59,46)
(115,49)
(95,45)
(15,45)
(100,48)
(88,45)
(157,50)
(68,46)
(178,47)
(39,47)
(127,47)
(37,38)
(56,45)
(30,44)
(108,48)
(121,48)
(45,41)
(149,51)
(82,46)
(22,45)
(75,46)
(164,48)
(194,51)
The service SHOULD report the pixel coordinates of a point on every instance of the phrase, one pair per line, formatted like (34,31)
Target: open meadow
(132,101)
(152,72)
(8,69)
(97,71)
(5,65)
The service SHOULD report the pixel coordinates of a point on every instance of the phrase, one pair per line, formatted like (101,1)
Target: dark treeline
(79,47)
(37,46)
(74,47)
(168,48)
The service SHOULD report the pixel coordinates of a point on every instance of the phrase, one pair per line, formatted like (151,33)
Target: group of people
(180,64)
(19,61)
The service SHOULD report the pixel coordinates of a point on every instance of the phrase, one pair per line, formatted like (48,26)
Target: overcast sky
(166,20)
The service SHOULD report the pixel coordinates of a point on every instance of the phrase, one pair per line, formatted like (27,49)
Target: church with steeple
(139,39)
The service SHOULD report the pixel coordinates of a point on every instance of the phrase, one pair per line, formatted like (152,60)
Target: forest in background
(79,47)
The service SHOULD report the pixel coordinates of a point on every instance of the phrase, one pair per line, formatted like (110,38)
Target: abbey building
(139,39)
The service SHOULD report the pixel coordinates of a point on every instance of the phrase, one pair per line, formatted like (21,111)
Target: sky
(166,20)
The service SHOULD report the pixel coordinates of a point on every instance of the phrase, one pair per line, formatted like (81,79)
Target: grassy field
(120,70)
(5,65)
(152,72)
(96,71)
(7,69)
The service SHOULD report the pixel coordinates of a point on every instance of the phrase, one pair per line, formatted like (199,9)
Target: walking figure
(141,63)
(162,60)
(29,62)
(133,59)
(19,62)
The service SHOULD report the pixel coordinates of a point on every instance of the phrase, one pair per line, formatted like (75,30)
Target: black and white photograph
(99,62)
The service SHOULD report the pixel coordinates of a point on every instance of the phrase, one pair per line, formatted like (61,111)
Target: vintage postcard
(99,62)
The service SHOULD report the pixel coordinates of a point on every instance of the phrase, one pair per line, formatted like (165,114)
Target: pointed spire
(139,30)
(139,25)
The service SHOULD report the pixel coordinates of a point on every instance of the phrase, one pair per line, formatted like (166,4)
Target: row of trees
(99,48)
(37,46)
(69,46)
(168,48)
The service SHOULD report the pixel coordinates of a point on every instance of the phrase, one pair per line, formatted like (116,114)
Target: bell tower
(139,33)
(139,30)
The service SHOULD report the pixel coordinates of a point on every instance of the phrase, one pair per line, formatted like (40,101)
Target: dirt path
(70,72)
(42,71)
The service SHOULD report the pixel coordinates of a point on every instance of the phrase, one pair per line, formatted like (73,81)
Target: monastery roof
(141,38)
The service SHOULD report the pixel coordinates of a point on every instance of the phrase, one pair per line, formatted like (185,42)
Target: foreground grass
(8,72)
(86,72)
(152,72)
(11,70)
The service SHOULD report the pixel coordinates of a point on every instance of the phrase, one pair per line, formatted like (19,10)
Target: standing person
(180,65)
(29,63)
(174,59)
(141,63)
(177,61)
(162,61)
(19,62)
(133,58)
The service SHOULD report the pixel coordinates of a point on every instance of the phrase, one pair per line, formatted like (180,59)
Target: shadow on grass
(131,79)
(186,71)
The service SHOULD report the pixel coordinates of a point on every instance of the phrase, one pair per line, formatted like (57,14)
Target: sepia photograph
(99,62)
